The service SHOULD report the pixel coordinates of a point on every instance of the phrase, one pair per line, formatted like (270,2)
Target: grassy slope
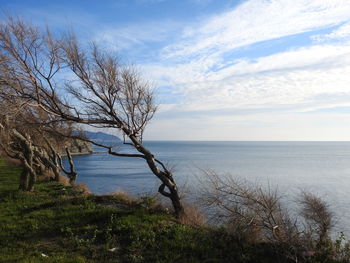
(58,224)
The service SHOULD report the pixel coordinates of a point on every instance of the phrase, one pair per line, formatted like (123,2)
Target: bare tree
(318,217)
(248,208)
(251,211)
(103,93)
(22,139)
(22,134)
(55,159)
(19,146)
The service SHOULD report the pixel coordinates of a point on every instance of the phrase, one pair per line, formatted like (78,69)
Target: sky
(234,70)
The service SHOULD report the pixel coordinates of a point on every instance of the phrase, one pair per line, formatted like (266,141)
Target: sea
(322,168)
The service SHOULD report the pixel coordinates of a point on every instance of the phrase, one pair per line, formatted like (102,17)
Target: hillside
(58,223)
(77,147)
(102,137)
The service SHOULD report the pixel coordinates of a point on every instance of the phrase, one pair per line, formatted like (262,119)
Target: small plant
(149,202)
(80,238)
(82,189)
(124,197)
(342,248)
(108,234)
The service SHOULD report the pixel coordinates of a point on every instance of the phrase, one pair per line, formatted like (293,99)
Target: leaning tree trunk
(57,165)
(31,171)
(27,157)
(32,180)
(28,175)
(54,167)
(163,174)
(23,181)
(157,168)
(52,160)
(71,174)
(167,182)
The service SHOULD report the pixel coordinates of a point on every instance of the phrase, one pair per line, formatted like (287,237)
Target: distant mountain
(102,137)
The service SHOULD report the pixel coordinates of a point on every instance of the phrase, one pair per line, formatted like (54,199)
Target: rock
(76,146)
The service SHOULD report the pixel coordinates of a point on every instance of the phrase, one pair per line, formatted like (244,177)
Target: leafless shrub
(259,214)
(63,180)
(82,189)
(245,207)
(192,216)
(318,217)
(124,197)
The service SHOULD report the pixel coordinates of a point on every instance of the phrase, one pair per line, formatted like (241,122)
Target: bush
(192,216)
(259,215)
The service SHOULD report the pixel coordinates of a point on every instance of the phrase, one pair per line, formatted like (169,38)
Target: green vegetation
(58,223)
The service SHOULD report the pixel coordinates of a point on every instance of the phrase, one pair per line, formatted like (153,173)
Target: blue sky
(224,70)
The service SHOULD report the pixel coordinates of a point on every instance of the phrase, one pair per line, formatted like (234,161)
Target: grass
(58,223)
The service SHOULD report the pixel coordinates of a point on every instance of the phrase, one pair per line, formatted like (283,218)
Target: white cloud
(127,36)
(258,20)
(343,32)
(253,97)
(284,78)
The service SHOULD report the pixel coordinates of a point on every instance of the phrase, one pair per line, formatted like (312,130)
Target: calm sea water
(320,167)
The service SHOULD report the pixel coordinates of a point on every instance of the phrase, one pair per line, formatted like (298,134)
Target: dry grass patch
(83,189)
(193,216)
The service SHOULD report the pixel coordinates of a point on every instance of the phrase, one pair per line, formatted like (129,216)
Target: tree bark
(164,175)
(31,181)
(28,177)
(72,174)
(23,180)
